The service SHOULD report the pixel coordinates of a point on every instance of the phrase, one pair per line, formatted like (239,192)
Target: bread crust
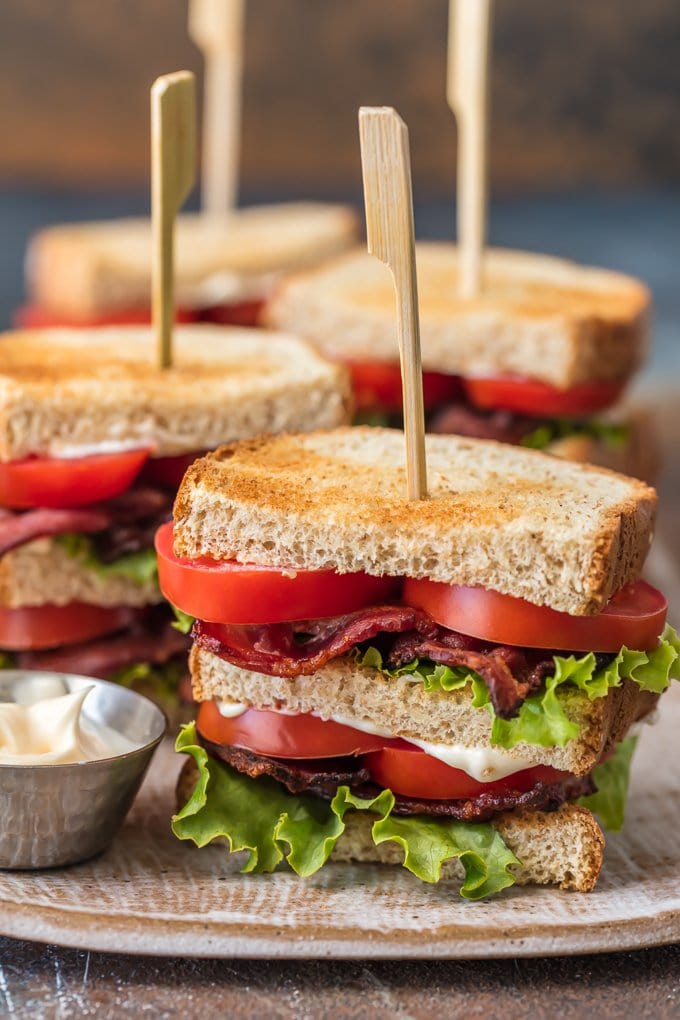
(536,316)
(563,847)
(89,269)
(63,389)
(513,520)
(343,689)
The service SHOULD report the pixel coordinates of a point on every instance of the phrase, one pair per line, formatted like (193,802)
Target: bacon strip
(129,521)
(300,649)
(295,649)
(505,670)
(322,778)
(18,529)
(105,656)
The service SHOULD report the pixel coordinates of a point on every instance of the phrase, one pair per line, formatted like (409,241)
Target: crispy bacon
(294,649)
(105,656)
(17,529)
(506,671)
(322,779)
(464,420)
(124,524)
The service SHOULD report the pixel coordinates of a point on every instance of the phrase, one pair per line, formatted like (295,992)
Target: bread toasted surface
(536,316)
(87,269)
(520,522)
(44,573)
(360,695)
(563,847)
(65,389)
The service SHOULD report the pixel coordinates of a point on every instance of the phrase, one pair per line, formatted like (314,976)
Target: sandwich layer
(513,520)
(537,316)
(563,847)
(364,697)
(89,269)
(45,573)
(69,393)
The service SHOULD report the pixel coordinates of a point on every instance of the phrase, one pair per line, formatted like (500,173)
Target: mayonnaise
(485,764)
(49,728)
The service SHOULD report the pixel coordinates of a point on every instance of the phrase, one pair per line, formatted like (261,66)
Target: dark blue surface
(638,234)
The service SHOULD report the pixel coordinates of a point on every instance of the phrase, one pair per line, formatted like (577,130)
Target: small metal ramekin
(53,815)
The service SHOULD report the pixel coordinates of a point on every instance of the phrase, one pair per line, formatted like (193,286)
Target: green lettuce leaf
(612,778)
(160,682)
(260,817)
(182,622)
(544,719)
(612,434)
(140,567)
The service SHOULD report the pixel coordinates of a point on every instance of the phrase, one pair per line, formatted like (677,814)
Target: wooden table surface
(46,981)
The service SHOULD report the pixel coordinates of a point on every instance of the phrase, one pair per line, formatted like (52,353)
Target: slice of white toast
(559,534)
(536,316)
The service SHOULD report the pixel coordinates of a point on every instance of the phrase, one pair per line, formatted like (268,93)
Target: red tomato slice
(235,593)
(54,482)
(242,313)
(377,386)
(34,317)
(284,736)
(635,617)
(36,627)
(395,764)
(168,472)
(540,400)
(413,773)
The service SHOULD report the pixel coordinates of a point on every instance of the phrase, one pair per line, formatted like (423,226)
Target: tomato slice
(168,472)
(219,591)
(35,317)
(539,399)
(413,773)
(241,313)
(377,385)
(392,763)
(68,482)
(284,736)
(39,627)
(635,617)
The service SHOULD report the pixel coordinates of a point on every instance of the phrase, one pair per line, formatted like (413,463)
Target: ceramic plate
(152,894)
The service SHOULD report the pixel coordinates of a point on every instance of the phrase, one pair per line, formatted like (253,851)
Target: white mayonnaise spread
(46,726)
(70,451)
(485,764)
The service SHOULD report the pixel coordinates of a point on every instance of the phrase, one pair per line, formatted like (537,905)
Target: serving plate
(151,894)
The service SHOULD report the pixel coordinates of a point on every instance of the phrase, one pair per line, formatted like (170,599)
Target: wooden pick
(173,171)
(466,92)
(216,26)
(386,168)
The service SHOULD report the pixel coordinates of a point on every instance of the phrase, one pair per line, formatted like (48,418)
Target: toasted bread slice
(43,573)
(537,316)
(90,269)
(362,696)
(63,392)
(563,847)
(520,522)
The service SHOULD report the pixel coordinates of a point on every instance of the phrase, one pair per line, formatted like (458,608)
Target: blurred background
(585,125)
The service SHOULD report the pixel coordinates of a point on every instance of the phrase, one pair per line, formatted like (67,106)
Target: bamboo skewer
(467,95)
(173,170)
(216,26)
(386,168)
